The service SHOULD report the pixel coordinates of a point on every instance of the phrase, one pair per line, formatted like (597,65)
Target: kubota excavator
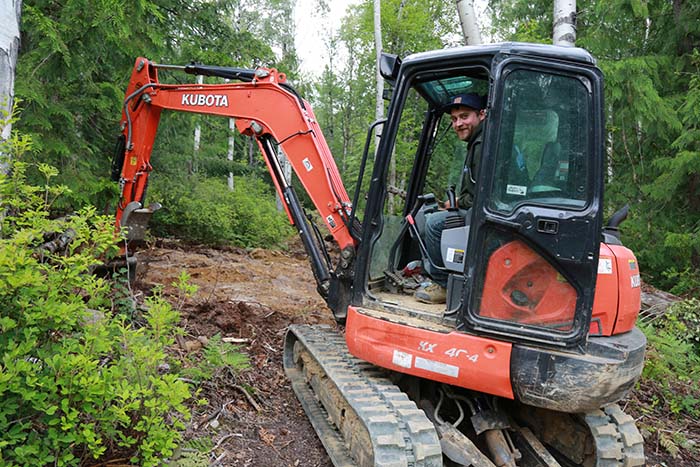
(537,341)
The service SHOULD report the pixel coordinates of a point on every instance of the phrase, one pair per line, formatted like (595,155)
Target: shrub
(205,210)
(76,381)
(672,364)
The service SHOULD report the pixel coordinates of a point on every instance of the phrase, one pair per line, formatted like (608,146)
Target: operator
(467,112)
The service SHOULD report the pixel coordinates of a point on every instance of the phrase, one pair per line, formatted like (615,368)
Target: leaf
(266,437)
(639,8)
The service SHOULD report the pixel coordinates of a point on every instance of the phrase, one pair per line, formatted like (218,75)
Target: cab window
(543,152)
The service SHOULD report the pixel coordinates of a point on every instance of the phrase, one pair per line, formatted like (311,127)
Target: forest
(73,66)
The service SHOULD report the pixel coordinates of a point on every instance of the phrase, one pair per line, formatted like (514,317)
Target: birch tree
(379,100)
(231,148)
(379,109)
(197,137)
(564,27)
(9,48)
(469,22)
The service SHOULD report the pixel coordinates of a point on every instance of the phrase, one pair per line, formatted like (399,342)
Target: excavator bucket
(136,218)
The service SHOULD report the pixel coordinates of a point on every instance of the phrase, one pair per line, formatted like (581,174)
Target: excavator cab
(522,261)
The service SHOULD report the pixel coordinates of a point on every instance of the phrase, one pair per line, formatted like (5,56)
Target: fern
(668,444)
(215,357)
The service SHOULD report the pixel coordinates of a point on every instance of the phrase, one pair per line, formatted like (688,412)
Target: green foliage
(75,61)
(683,319)
(76,381)
(673,359)
(344,97)
(216,357)
(205,210)
(522,21)
(185,288)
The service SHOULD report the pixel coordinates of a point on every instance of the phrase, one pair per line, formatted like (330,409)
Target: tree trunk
(229,155)
(469,22)
(564,30)
(231,147)
(685,45)
(10,12)
(379,112)
(609,150)
(197,136)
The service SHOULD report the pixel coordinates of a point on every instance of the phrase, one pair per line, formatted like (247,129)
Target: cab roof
(556,52)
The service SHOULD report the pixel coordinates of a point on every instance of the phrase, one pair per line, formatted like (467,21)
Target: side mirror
(389,65)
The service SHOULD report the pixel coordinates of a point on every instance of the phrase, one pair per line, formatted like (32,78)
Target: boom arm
(264,107)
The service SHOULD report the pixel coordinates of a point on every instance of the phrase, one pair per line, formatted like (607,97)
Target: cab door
(533,248)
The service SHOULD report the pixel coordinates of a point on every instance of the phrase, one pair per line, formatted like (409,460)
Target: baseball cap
(471,100)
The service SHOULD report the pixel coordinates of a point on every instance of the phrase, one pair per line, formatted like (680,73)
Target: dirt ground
(252,417)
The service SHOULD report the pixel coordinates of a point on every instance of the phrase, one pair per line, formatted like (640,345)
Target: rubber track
(400,433)
(617,440)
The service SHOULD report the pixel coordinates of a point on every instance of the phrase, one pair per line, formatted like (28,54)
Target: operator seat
(453,243)
(551,174)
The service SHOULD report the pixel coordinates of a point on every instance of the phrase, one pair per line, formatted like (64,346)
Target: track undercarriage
(367,416)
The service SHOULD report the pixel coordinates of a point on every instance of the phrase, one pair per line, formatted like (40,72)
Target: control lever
(413,229)
(451,198)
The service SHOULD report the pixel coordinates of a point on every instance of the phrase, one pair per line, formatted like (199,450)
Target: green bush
(672,364)
(669,254)
(77,382)
(205,210)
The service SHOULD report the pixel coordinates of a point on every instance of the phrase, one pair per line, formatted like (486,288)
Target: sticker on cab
(636,281)
(605,266)
(517,190)
(455,256)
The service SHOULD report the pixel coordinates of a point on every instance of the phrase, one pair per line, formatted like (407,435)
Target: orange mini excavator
(523,364)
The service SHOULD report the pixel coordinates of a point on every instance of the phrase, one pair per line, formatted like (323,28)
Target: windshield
(439,91)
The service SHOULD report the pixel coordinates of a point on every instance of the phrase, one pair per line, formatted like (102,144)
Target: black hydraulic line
(343,215)
(619,216)
(318,266)
(360,176)
(129,146)
(296,94)
(241,74)
(319,241)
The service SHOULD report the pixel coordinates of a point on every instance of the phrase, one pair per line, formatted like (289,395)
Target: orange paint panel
(629,286)
(454,358)
(618,294)
(605,299)
(522,287)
